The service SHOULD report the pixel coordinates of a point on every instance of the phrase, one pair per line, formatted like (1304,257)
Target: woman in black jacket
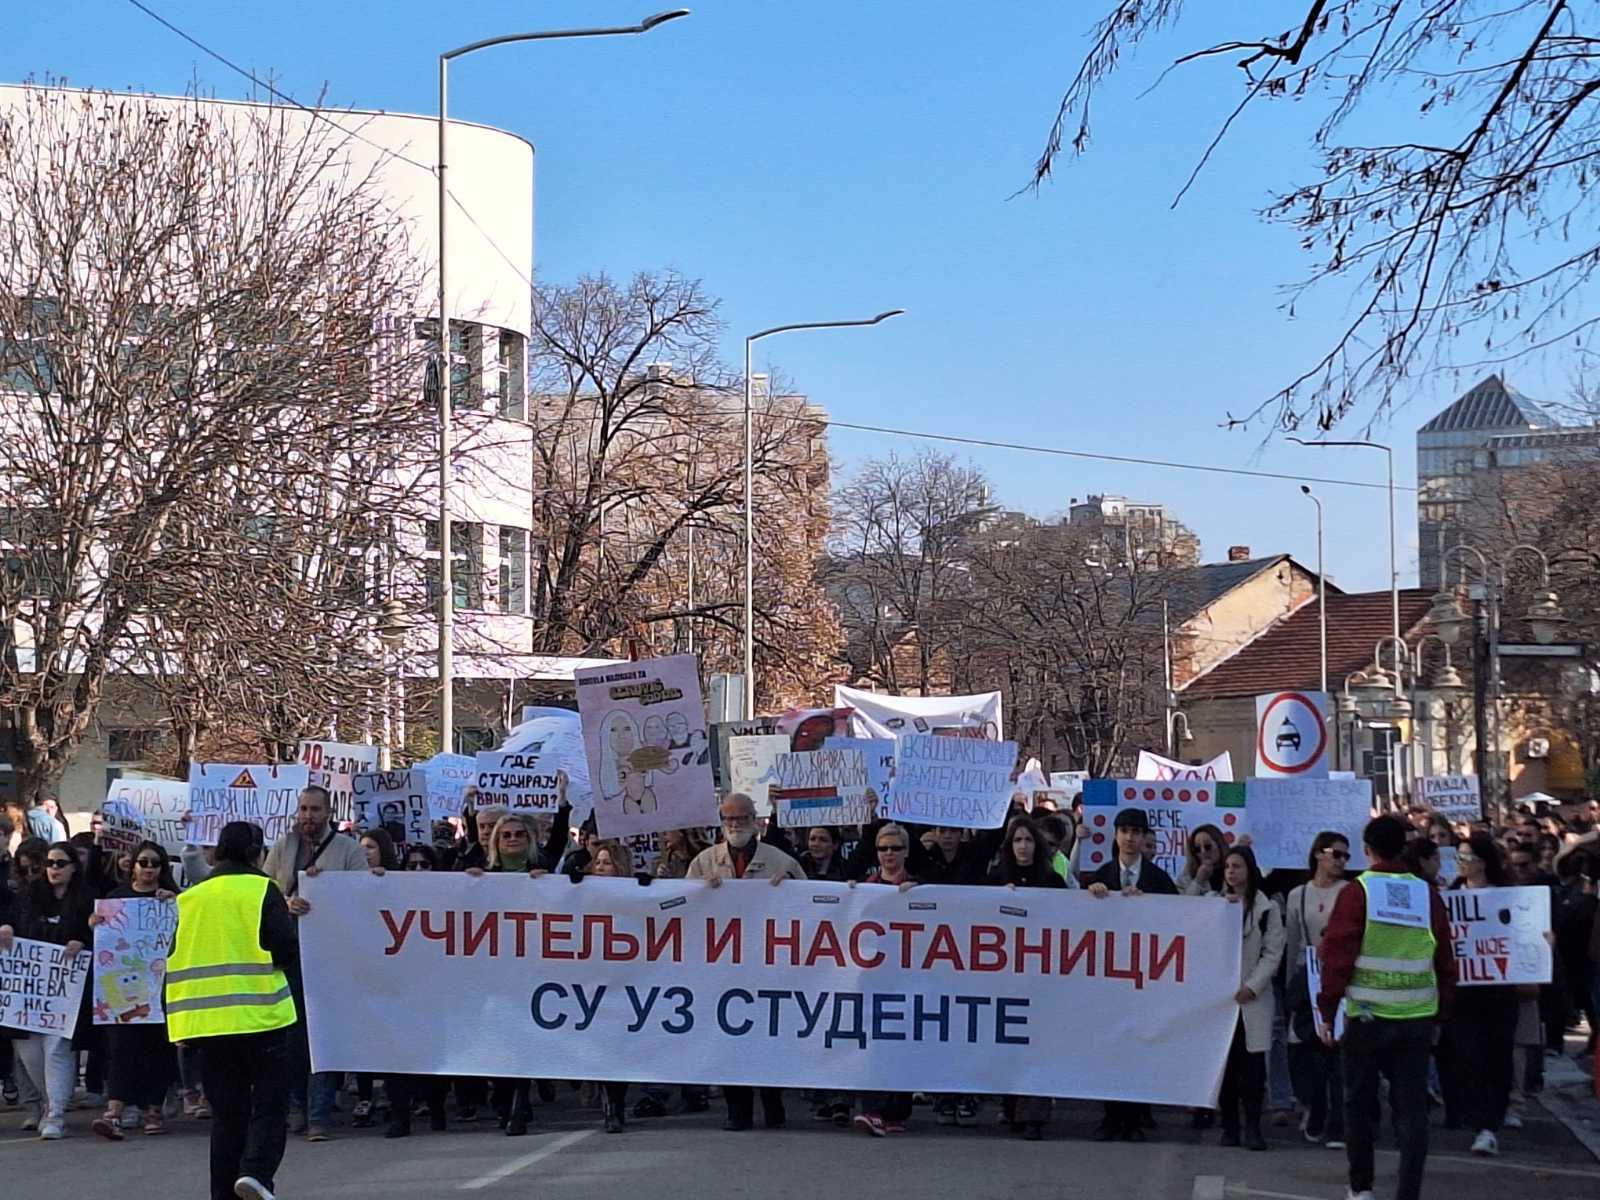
(54,909)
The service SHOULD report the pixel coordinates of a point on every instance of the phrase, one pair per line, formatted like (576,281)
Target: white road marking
(527,1160)
(1478,1164)
(1208,1187)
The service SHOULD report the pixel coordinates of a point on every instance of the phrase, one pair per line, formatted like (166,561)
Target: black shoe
(732,1126)
(1133,1135)
(468,1112)
(1254,1141)
(1103,1132)
(1204,1118)
(649,1107)
(696,1104)
(1147,1119)
(842,1115)
(436,1121)
(398,1129)
(546,1090)
(1228,1138)
(613,1122)
(1034,1132)
(517,1126)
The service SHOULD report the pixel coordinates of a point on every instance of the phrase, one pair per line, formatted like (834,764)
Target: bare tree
(207,416)
(903,535)
(1468,234)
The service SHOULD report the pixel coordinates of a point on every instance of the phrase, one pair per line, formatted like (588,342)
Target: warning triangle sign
(244,780)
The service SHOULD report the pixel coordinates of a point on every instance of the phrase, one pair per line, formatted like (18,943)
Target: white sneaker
(1512,1121)
(1349,1195)
(247,1187)
(1485,1144)
(51,1131)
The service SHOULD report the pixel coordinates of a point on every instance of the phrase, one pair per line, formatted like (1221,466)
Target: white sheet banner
(1153,766)
(264,794)
(393,799)
(1498,934)
(40,987)
(962,782)
(881,716)
(1285,815)
(822,787)
(808,985)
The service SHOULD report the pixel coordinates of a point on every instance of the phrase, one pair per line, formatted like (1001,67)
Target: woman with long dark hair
(1202,867)
(1480,1035)
(1314,1067)
(1244,1080)
(54,909)
(142,1059)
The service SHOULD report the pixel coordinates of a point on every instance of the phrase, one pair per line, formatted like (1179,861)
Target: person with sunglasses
(1202,868)
(883,1113)
(1313,1066)
(54,909)
(143,1062)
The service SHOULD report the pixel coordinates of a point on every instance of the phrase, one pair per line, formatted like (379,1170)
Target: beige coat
(767,862)
(1259,957)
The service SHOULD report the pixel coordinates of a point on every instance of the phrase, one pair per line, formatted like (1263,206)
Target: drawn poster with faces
(645,737)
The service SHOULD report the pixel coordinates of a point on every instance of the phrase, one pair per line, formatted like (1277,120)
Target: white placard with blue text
(959,782)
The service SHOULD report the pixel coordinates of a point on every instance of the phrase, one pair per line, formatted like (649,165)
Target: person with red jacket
(1387,958)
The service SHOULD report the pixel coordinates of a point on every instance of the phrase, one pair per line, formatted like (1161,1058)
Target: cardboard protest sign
(822,787)
(1292,735)
(130,959)
(1153,766)
(1285,816)
(806,729)
(447,778)
(1070,783)
(644,728)
(1174,808)
(749,766)
(157,805)
(40,987)
(393,800)
(556,738)
(878,754)
(1498,934)
(517,780)
(1453,797)
(333,765)
(954,781)
(1314,989)
(880,716)
(120,831)
(265,794)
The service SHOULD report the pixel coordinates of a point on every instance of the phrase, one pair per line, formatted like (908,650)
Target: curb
(1568,1096)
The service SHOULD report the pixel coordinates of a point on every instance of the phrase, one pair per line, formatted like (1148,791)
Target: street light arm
(1462,547)
(883,316)
(1524,548)
(644,26)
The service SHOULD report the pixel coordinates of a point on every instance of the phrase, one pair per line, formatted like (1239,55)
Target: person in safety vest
(1387,961)
(228,994)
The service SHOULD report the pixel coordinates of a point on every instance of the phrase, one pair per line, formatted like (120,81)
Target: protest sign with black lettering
(448,777)
(749,766)
(1174,810)
(333,765)
(1153,766)
(1453,797)
(878,754)
(158,805)
(822,787)
(809,985)
(119,831)
(955,781)
(555,739)
(1285,816)
(644,728)
(265,794)
(1499,934)
(131,945)
(806,729)
(40,987)
(393,799)
(519,780)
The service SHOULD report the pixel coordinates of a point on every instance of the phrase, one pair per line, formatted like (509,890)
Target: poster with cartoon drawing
(131,945)
(644,733)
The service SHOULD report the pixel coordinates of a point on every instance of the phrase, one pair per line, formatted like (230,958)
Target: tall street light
(446,583)
(1322,587)
(1394,571)
(749,493)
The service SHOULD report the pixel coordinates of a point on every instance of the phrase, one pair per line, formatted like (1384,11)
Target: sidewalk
(1569,1096)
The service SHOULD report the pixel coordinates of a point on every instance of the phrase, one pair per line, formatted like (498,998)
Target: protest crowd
(1476,1053)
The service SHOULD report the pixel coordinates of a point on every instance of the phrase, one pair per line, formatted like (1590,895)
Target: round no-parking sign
(1292,734)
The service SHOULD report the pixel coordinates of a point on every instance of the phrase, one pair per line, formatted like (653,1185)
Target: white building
(491,258)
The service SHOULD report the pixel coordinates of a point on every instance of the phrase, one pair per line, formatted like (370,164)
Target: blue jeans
(315,1095)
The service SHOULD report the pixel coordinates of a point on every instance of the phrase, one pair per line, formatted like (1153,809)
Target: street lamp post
(1394,570)
(749,493)
(1322,589)
(446,583)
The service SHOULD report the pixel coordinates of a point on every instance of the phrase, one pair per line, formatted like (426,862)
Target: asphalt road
(566,1156)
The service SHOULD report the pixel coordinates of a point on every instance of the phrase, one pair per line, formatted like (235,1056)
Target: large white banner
(1153,766)
(1498,934)
(880,716)
(644,728)
(807,985)
(266,794)
(40,987)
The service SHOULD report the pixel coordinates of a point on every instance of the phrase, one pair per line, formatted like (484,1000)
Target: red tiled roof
(1288,654)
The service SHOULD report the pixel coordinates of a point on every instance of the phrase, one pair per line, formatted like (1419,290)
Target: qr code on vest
(1399,895)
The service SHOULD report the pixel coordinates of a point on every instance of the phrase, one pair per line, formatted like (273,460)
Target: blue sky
(832,159)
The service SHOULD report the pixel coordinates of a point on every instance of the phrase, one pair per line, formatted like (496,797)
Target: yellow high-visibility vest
(219,979)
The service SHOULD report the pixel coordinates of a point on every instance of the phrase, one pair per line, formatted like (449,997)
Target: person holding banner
(956,858)
(1244,1080)
(821,859)
(142,1059)
(1479,1039)
(1314,1067)
(883,1113)
(54,909)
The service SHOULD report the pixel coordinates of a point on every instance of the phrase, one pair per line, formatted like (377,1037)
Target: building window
(466,359)
(513,570)
(35,567)
(131,745)
(512,393)
(466,562)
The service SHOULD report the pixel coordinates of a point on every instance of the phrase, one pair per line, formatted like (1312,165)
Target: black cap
(1132,818)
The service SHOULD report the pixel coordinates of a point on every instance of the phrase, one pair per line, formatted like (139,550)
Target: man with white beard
(740,855)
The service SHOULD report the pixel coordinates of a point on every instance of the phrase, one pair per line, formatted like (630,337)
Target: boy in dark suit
(1128,873)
